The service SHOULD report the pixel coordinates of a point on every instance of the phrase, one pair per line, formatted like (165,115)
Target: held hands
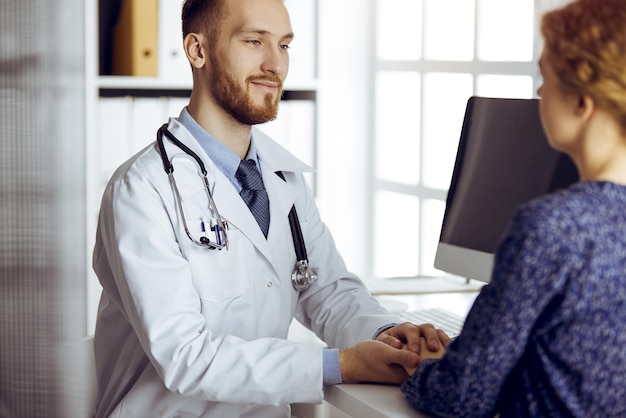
(407,335)
(394,356)
(376,362)
(423,339)
(426,353)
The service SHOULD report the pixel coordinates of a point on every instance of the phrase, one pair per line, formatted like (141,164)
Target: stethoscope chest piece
(303,276)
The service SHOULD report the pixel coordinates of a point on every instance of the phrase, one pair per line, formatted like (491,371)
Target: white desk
(387,401)
(421,285)
(370,401)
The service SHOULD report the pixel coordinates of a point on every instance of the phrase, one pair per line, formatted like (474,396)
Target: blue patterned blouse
(547,336)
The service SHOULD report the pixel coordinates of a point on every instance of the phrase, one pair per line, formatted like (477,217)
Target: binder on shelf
(173,64)
(135,39)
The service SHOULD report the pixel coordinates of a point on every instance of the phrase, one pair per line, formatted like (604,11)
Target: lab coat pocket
(218,275)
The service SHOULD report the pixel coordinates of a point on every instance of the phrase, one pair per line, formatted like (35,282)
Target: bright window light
(399,35)
(445,99)
(511,86)
(397,126)
(449,30)
(505,30)
(397,234)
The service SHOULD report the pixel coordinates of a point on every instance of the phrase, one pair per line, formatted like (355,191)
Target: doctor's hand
(407,336)
(376,362)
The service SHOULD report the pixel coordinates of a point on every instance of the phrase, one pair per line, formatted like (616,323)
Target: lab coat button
(270,284)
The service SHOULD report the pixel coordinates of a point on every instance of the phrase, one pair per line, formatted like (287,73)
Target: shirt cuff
(383,328)
(331,369)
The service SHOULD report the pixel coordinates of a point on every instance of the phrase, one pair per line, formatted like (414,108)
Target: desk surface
(371,401)
(387,401)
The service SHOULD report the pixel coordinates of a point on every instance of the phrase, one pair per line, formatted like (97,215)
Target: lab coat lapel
(282,197)
(234,210)
(237,214)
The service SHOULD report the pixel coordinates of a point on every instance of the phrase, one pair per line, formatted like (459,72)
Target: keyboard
(449,322)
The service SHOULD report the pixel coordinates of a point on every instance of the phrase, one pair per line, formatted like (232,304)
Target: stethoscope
(302,276)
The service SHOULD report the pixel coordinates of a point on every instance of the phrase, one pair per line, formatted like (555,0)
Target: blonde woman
(547,336)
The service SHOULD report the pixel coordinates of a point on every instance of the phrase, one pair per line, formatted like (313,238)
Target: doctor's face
(249,59)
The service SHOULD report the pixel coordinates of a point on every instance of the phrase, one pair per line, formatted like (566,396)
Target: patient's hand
(425,353)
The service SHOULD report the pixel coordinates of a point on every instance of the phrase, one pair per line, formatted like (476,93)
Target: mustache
(270,78)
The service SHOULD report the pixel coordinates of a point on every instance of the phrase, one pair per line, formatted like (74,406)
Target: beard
(235,99)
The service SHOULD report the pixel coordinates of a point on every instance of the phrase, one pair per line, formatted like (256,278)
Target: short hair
(202,16)
(586,44)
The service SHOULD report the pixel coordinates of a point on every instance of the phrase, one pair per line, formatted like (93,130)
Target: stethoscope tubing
(221,234)
(296,231)
(169,168)
(302,277)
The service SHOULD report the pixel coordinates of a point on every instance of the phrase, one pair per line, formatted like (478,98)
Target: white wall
(344,106)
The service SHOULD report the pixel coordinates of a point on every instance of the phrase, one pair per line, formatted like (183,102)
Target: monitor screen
(503,160)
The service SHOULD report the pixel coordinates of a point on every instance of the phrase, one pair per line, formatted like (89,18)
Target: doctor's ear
(194,49)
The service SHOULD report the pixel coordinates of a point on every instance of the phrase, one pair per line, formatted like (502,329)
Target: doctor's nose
(276,61)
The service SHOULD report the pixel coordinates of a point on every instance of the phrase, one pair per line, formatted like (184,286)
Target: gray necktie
(254,194)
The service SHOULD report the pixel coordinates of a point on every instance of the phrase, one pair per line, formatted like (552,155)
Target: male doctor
(188,331)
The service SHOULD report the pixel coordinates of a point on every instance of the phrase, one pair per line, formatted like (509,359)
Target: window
(430,57)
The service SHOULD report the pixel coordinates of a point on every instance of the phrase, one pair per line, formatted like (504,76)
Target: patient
(547,336)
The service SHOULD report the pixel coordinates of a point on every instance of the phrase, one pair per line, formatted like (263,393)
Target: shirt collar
(223,158)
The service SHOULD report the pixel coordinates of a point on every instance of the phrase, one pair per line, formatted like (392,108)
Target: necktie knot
(249,176)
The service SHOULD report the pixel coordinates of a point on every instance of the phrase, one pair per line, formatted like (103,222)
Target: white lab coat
(185,331)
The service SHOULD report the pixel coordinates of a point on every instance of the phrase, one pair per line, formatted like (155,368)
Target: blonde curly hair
(586,41)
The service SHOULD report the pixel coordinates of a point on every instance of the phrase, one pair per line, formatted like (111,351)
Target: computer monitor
(503,160)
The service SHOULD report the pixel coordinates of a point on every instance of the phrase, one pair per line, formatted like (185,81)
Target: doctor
(184,330)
